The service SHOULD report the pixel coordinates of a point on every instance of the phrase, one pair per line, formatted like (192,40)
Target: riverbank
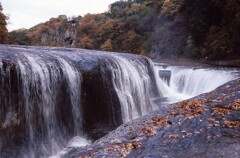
(205,126)
(181,62)
(203,63)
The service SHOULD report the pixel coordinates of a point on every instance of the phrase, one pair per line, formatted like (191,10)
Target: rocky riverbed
(204,126)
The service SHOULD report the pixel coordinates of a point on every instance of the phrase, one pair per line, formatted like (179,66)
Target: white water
(133,86)
(74,80)
(187,82)
(40,82)
(75,142)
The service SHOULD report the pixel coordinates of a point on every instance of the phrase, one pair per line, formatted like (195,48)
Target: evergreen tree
(3,28)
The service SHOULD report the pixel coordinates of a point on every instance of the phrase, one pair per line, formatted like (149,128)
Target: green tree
(19,37)
(3,28)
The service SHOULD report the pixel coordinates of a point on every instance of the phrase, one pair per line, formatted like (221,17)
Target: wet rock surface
(205,126)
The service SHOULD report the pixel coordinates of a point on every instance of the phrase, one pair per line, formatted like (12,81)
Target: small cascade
(187,82)
(193,82)
(133,85)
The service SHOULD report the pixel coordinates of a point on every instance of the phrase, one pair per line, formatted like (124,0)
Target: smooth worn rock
(205,126)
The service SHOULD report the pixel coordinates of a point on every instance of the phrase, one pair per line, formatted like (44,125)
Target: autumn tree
(3,28)
(107,45)
(86,43)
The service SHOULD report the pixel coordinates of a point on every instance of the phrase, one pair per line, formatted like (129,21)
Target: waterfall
(132,83)
(187,82)
(41,80)
(41,92)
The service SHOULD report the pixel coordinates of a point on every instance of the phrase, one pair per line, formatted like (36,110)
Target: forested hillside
(3,29)
(199,29)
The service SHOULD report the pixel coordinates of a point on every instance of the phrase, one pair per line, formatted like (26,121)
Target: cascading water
(44,95)
(40,82)
(187,82)
(133,86)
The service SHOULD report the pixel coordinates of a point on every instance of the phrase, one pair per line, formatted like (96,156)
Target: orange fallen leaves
(225,110)
(190,108)
(213,125)
(234,105)
(232,124)
(220,111)
(149,131)
(222,98)
(124,148)
(173,136)
(154,124)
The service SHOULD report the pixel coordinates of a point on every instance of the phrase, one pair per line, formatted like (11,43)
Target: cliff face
(60,31)
(66,37)
(55,32)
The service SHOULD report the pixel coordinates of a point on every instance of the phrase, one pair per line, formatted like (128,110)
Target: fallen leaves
(173,137)
(222,111)
(149,131)
(154,124)
(119,150)
(213,125)
(232,124)
(234,105)
(226,96)
(160,121)
(190,108)
(210,119)
(124,149)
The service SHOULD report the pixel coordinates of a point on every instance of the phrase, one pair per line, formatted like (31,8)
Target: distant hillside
(198,29)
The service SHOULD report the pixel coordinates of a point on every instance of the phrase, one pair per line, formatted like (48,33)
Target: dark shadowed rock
(165,75)
(205,126)
(101,106)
